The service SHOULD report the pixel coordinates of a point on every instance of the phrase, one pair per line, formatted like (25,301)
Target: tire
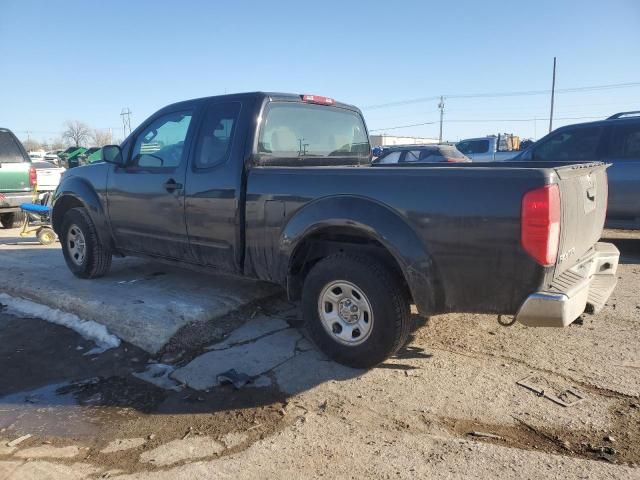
(331,289)
(86,257)
(46,236)
(12,220)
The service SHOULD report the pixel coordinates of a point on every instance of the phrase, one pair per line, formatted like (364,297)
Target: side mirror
(112,154)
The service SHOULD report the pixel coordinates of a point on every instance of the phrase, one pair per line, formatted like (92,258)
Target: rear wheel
(86,257)
(12,220)
(356,309)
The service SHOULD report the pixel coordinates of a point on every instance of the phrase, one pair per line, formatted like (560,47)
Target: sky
(87,60)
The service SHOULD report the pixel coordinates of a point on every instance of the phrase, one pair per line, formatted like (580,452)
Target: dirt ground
(448,406)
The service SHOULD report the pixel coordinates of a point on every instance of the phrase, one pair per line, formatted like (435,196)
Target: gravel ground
(448,406)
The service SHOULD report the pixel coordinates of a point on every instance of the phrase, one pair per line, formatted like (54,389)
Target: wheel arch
(76,192)
(362,226)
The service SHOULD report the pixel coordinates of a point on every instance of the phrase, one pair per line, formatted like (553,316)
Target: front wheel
(86,257)
(356,310)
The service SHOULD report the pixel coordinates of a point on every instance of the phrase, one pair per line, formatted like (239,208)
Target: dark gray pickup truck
(279,187)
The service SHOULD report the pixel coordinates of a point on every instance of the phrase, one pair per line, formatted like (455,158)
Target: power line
(484,120)
(503,94)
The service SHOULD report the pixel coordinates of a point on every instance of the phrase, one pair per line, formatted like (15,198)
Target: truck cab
(493,148)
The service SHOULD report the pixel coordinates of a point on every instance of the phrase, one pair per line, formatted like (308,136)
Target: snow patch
(88,329)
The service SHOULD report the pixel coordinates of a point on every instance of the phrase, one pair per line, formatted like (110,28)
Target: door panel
(146,198)
(212,203)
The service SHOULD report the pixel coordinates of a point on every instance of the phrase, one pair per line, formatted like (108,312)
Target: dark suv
(615,140)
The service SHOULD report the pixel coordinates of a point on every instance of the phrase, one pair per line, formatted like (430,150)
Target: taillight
(540,228)
(317,99)
(33,177)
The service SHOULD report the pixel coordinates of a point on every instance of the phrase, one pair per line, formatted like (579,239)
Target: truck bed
(467,216)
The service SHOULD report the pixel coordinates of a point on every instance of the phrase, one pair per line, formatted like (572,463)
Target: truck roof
(273,96)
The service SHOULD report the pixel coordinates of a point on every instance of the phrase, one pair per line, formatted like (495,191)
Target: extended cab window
(161,144)
(304,131)
(572,144)
(214,140)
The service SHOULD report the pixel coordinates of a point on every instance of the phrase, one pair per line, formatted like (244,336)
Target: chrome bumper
(588,283)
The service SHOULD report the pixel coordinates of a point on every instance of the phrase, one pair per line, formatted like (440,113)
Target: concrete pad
(256,328)
(178,450)
(48,451)
(309,369)
(120,445)
(252,359)
(158,374)
(142,302)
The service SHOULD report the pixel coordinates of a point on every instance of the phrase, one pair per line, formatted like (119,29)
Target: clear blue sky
(86,60)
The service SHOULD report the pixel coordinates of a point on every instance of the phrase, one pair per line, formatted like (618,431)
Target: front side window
(295,130)
(161,144)
(570,145)
(625,141)
(214,139)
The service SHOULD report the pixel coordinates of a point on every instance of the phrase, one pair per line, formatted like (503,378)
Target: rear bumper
(10,202)
(588,284)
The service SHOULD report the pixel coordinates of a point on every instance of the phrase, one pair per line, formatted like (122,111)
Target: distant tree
(31,145)
(77,133)
(57,144)
(101,137)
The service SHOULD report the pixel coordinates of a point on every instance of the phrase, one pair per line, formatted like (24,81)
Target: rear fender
(377,222)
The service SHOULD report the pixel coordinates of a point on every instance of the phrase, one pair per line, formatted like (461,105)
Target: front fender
(79,192)
(378,222)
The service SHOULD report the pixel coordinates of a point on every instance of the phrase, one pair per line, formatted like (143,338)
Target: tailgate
(583,193)
(48,178)
(14,177)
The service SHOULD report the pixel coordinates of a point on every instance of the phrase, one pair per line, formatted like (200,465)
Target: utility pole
(441,107)
(553,91)
(126,121)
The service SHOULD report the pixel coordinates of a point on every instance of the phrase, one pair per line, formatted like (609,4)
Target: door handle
(171,185)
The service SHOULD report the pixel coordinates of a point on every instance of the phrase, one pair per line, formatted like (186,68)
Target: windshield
(297,130)
(10,151)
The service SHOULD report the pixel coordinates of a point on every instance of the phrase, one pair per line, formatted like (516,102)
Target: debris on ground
(565,397)
(486,435)
(238,380)
(159,374)
(19,440)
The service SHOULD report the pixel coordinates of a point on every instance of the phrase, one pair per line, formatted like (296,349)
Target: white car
(48,175)
(52,157)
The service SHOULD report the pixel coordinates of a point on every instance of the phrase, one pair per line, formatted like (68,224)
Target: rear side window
(10,151)
(625,141)
(306,132)
(214,139)
(579,144)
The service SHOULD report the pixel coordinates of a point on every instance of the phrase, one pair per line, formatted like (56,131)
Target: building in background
(390,140)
